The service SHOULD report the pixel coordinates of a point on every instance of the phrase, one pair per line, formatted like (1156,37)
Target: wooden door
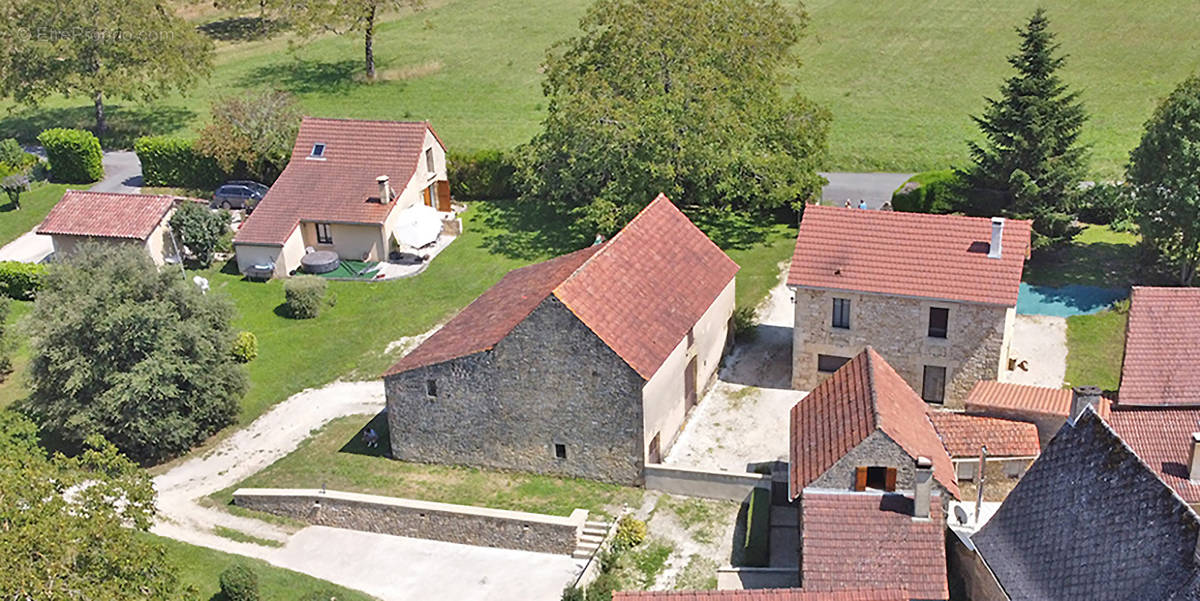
(443,196)
(689,384)
(427,197)
(655,449)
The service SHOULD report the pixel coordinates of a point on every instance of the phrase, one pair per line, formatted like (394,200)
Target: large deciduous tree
(69,527)
(199,229)
(135,354)
(130,49)
(254,131)
(1031,161)
(1164,172)
(683,98)
(344,17)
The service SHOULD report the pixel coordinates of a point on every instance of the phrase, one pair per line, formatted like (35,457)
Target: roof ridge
(352,120)
(872,390)
(606,244)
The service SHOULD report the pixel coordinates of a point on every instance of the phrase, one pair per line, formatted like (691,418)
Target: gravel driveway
(1040,343)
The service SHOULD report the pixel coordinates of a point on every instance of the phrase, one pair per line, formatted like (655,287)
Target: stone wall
(898,329)
(703,483)
(550,381)
(977,581)
(478,526)
(877,449)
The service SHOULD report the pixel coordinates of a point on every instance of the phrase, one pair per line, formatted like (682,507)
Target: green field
(901,77)
(1095,348)
(35,205)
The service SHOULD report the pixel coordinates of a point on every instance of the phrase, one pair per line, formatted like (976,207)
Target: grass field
(336,458)
(35,204)
(1098,256)
(1095,348)
(13,387)
(901,77)
(201,567)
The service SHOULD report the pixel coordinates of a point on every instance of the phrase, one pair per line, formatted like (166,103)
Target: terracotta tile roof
(862,396)
(1020,398)
(963,434)
(765,594)
(1162,438)
(1161,366)
(871,539)
(107,214)
(908,254)
(340,187)
(640,293)
(494,314)
(1089,521)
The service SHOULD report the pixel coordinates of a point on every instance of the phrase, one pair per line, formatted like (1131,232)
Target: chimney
(1081,397)
(1194,464)
(385,190)
(997,233)
(922,488)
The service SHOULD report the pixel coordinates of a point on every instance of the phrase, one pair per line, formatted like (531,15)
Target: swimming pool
(1066,301)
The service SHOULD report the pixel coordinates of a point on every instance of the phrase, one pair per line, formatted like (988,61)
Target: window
(324,235)
(934,388)
(560,451)
(875,477)
(830,363)
(939,321)
(431,388)
(318,150)
(841,313)
(429,160)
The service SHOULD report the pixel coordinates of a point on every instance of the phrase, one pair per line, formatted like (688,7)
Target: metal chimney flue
(922,488)
(385,190)
(995,249)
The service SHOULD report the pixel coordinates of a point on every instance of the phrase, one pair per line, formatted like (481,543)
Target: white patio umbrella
(418,226)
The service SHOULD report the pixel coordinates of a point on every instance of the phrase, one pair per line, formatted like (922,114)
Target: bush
(745,323)
(303,296)
(75,155)
(930,192)
(481,175)
(320,595)
(239,583)
(175,162)
(199,230)
(1105,204)
(757,546)
(21,280)
(11,153)
(245,347)
(572,593)
(630,532)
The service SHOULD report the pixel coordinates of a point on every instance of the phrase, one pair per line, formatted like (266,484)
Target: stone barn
(585,365)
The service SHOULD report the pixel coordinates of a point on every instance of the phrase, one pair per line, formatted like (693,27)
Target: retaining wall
(703,483)
(478,526)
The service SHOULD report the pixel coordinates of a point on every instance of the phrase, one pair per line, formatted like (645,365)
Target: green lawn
(35,204)
(760,264)
(1098,256)
(13,387)
(201,568)
(337,459)
(1095,347)
(901,78)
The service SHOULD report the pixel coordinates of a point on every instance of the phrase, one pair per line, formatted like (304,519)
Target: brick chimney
(995,250)
(1081,397)
(1194,463)
(385,190)
(922,488)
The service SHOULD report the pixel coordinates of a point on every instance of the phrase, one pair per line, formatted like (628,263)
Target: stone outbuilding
(935,295)
(585,365)
(112,218)
(1046,408)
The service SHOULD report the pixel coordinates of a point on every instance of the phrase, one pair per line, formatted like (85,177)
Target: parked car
(238,195)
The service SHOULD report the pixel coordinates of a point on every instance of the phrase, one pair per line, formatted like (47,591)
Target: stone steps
(589,540)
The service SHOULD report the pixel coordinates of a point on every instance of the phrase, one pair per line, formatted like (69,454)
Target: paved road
(875,188)
(122,173)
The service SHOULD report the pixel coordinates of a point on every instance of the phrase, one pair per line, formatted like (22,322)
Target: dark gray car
(238,195)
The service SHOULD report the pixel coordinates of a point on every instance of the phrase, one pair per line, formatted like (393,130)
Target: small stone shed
(585,365)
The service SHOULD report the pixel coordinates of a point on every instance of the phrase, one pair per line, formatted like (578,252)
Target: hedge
(175,163)
(21,280)
(757,545)
(74,154)
(481,175)
(936,192)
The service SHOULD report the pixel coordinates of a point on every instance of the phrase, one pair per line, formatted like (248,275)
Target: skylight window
(318,150)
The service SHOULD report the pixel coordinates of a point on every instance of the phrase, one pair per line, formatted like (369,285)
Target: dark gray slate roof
(1089,521)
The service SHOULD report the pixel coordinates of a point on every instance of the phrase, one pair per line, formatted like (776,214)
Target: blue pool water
(1066,301)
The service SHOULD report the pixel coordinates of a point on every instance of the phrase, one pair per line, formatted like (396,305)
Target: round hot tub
(322,261)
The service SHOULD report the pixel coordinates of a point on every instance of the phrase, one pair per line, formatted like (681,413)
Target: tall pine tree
(1031,163)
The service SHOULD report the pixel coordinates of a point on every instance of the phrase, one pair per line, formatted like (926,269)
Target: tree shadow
(732,229)
(125,123)
(242,29)
(1099,264)
(357,444)
(301,76)
(528,231)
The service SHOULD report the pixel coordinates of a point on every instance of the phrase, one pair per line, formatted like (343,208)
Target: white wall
(350,241)
(663,395)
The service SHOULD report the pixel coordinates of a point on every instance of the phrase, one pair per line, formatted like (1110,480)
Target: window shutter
(890,486)
(443,196)
(860,478)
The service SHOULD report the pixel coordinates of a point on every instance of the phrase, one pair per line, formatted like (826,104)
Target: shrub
(930,192)
(239,583)
(481,175)
(630,532)
(75,155)
(572,593)
(303,296)
(21,280)
(1105,204)
(757,545)
(245,346)
(11,152)
(199,230)
(745,322)
(175,162)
